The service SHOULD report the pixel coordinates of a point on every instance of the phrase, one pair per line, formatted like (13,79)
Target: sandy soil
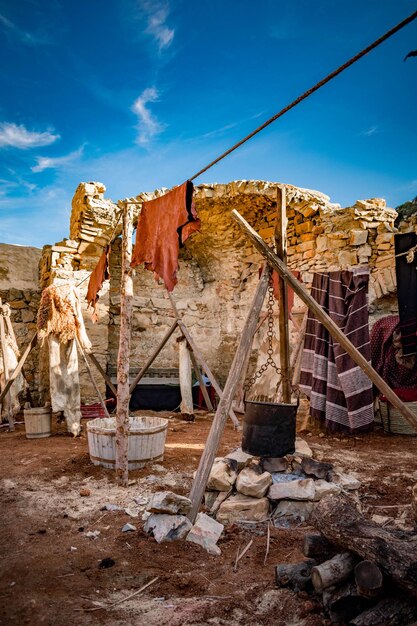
(50,570)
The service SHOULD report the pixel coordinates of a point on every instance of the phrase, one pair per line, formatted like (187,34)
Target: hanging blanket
(339,391)
(388,359)
(407,291)
(99,274)
(164,225)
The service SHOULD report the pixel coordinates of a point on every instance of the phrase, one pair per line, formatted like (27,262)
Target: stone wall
(19,287)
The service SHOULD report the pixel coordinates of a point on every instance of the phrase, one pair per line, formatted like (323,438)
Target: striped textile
(339,391)
(406,292)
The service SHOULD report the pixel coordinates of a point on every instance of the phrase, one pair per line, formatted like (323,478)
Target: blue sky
(140,94)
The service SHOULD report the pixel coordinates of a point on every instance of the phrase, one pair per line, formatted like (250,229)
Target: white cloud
(148,126)
(45,163)
(17,136)
(157,14)
(373,130)
(22,35)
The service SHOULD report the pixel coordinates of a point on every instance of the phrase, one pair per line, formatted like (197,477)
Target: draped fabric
(164,225)
(340,393)
(99,274)
(399,371)
(407,291)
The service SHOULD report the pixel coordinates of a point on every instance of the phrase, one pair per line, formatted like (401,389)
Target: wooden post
(201,360)
(123,359)
(281,248)
(327,322)
(5,365)
(186,408)
(219,421)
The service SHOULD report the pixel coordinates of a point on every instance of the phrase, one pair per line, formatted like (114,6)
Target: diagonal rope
(310,91)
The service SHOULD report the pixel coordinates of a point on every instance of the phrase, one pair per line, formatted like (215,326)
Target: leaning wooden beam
(19,366)
(284,342)
(327,322)
(94,360)
(152,358)
(219,421)
(123,359)
(90,373)
(201,360)
(201,383)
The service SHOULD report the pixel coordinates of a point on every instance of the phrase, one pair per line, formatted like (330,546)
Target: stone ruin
(218,271)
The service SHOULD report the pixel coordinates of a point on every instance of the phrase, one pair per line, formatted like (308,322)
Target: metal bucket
(269,429)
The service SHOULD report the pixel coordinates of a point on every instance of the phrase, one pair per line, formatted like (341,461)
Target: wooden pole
(219,421)
(327,322)
(19,366)
(5,365)
(152,358)
(123,359)
(281,248)
(95,361)
(90,373)
(201,360)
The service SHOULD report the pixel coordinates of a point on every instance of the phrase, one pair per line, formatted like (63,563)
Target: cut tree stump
(333,571)
(368,578)
(343,525)
(296,576)
(317,547)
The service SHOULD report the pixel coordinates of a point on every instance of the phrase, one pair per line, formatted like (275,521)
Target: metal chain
(269,361)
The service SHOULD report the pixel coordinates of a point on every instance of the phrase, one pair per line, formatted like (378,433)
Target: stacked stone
(243,489)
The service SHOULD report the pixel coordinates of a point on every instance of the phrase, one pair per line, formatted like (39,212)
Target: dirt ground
(50,569)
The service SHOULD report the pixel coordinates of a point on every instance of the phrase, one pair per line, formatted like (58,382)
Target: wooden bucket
(146,444)
(38,422)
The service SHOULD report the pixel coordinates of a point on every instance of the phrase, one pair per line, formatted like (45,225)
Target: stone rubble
(165,527)
(243,508)
(253,483)
(206,532)
(169,502)
(223,475)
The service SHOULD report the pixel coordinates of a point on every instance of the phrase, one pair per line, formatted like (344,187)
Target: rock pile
(244,489)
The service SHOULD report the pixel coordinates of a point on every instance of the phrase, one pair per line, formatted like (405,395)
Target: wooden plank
(281,247)
(90,373)
(219,421)
(152,358)
(123,358)
(19,366)
(94,360)
(327,322)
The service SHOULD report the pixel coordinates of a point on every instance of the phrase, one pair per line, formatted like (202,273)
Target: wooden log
(19,366)
(152,358)
(186,407)
(317,547)
(343,525)
(123,359)
(343,603)
(284,342)
(219,421)
(333,571)
(324,318)
(395,611)
(296,576)
(368,578)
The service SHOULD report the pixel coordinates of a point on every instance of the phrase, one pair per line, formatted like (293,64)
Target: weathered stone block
(358,237)
(294,510)
(169,502)
(242,459)
(240,507)
(252,483)
(206,533)
(167,527)
(325,488)
(223,475)
(294,490)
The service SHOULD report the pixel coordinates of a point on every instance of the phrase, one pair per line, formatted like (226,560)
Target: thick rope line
(308,93)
